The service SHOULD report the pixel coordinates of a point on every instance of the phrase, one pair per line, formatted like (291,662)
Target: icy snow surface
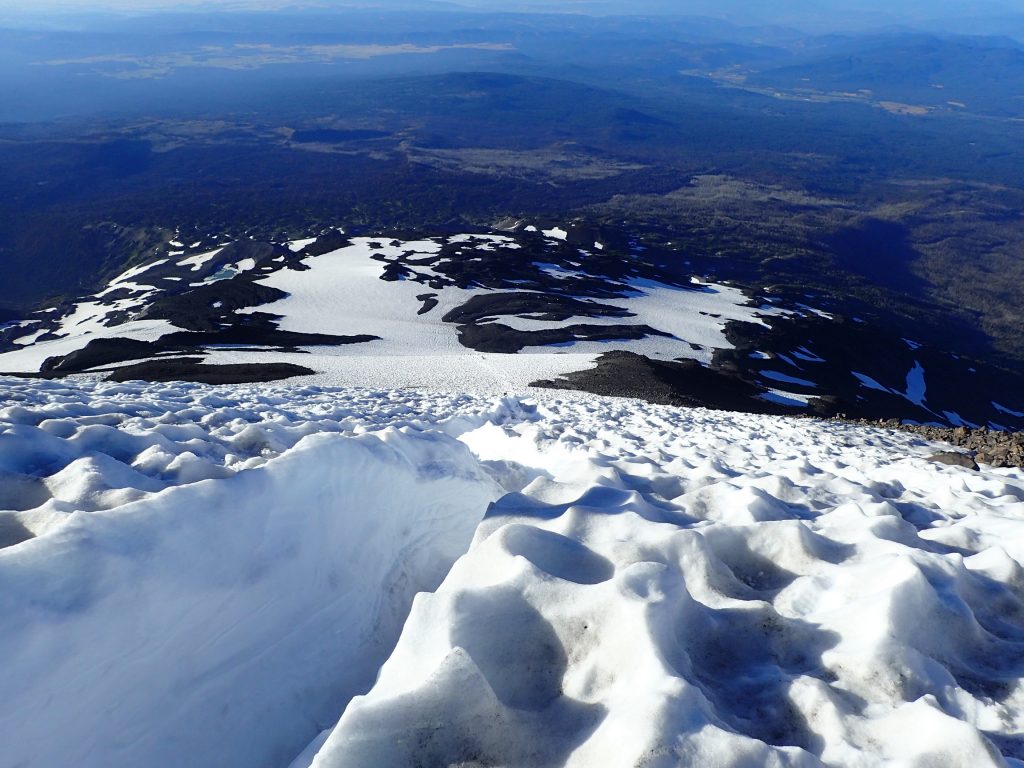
(219,575)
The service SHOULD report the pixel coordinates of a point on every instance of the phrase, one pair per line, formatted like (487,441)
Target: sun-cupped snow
(686,588)
(215,576)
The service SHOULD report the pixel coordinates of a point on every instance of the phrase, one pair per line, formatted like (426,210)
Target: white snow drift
(650,586)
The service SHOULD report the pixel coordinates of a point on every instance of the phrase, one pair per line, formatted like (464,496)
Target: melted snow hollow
(275,576)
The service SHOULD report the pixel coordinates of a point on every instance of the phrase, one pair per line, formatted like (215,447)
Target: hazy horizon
(838,15)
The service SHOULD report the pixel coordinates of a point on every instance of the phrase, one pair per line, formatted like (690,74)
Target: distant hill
(983,76)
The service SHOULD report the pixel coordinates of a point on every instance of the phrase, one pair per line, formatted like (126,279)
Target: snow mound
(216,622)
(217,575)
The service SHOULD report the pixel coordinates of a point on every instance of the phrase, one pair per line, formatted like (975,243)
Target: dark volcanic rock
(206,307)
(429,302)
(193,369)
(100,352)
(996,448)
(325,243)
(954,459)
(258,335)
(872,373)
(683,383)
(246,249)
(538,306)
(394,272)
(495,337)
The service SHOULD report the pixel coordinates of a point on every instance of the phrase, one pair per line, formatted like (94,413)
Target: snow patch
(787,379)
(197,261)
(916,386)
(1007,411)
(869,382)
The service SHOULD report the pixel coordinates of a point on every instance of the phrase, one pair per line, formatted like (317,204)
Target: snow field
(462,371)
(341,292)
(220,574)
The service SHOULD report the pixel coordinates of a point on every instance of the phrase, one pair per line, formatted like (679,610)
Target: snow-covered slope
(219,571)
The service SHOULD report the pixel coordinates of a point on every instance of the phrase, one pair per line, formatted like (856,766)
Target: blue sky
(756,7)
